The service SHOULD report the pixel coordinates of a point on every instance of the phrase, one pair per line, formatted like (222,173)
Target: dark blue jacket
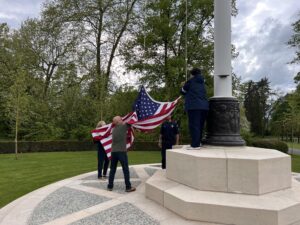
(168,131)
(195,94)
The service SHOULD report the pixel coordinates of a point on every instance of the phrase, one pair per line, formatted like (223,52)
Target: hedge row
(272,144)
(59,146)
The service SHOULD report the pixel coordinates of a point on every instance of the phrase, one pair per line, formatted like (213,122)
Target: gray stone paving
(62,202)
(122,214)
(66,200)
(118,175)
(294,151)
(150,171)
(119,186)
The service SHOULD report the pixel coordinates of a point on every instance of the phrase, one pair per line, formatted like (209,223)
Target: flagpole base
(223,122)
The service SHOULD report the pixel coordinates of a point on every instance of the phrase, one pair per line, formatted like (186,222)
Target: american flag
(151,113)
(147,115)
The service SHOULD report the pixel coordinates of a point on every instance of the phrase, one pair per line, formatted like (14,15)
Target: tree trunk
(166,66)
(98,55)
(16,132)
(116,44)
(99,80)
(49,75)
(99,74)
(166,59)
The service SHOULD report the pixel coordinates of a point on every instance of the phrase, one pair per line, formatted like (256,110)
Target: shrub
(247,136)
(46,146)
(59,146)
(272,144)
(81,133)
(145,146)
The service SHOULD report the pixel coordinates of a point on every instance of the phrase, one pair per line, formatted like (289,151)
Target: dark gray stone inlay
(298,179)
(123,214)
(150,171)
(62,202)
(118,175)
(119,186)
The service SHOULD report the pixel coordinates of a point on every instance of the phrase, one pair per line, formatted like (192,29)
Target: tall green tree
(101,25)
(163,36)
(292,100)
(285,120)
(67,58)
(38,51)
(46,46)
(295,41)
(6,72)
(257,104)
(17,107)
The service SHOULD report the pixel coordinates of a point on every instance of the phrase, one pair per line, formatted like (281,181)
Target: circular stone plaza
(84,200)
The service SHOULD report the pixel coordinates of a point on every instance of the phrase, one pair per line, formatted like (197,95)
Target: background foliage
(60,73)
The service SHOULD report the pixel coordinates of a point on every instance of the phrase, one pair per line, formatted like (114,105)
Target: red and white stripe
(104,134)
(150,123)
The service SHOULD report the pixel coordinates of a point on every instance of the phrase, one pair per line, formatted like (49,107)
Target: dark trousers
(115,158)
(102,159)
(196,124)
(164,148)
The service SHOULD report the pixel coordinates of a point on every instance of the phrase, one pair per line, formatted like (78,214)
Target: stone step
(276,208)
(246,170)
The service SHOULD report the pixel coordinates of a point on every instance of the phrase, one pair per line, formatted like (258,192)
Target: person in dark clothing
(169,136)
(119,153)
(196,106)
(103,161)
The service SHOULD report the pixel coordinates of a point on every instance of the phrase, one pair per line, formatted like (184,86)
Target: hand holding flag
(147,115)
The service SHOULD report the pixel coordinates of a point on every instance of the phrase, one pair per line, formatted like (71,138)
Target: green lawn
(293,145)
(35,170)
(296,163)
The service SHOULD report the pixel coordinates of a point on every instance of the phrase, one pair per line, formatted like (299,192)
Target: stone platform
(225,185)
(245,170)
(84,200)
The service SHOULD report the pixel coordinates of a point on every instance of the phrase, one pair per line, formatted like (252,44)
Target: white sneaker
(193,148)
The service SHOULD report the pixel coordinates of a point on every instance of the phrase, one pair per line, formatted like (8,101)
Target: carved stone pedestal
(223,122)
(228,185)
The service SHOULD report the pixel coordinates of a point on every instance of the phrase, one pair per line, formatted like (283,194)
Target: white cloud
(14,12)
(260,33)
(7,16)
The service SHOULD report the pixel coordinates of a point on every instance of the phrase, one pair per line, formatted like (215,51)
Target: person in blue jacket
(103,161)
(169,136)
(196,106)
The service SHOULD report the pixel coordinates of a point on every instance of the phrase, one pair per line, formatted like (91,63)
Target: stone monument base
(228,185)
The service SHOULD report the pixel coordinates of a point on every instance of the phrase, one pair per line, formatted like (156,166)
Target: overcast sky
(260,32)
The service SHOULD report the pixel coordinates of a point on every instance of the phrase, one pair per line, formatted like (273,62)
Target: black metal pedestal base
(223,122)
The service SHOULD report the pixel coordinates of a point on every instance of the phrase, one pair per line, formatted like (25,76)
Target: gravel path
(122,214)
(62,202)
